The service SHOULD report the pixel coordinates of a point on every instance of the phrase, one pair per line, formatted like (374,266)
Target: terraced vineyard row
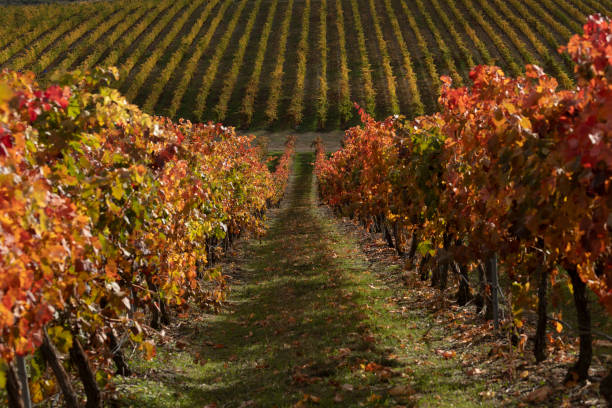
(271,63)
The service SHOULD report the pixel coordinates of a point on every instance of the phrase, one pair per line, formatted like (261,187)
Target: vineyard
(111,221)
(297,63)
(454,249)
(505,192)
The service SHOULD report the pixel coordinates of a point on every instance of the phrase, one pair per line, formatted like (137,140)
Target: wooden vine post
(63,380)
(87,375)
(13,388)
(580,370)
(540,336)
(493,281)
(23,379)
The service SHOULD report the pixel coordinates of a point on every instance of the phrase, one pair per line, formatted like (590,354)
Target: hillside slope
(290,63)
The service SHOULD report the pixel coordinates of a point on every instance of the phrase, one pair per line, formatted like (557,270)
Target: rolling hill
(290,63)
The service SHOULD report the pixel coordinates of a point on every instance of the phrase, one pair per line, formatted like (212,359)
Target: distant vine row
(296,104)
(232,76)
(213,67)
(248,101)
(276,78)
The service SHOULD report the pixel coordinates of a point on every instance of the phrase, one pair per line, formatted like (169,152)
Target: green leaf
(61,337)
(74,109)
(118,191)
(425,247)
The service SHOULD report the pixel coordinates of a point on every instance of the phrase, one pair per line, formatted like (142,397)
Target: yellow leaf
(61,337)
(510,107)
(525,123)
(558,327)
(5,92)
(118,191)
(149,349)
(36,392)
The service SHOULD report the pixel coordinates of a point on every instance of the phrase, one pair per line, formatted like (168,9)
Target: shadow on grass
(296,325)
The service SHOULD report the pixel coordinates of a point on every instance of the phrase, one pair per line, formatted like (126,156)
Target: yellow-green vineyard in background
(290,63)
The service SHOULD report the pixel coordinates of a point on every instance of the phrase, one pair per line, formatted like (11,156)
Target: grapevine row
(447,56)
(232,76)
(296,105)
(65,42)
(430,64)
(482,49)
(416,106)
(213,67)
(561,16)
(366,69)
(93,54)
(252,87)
(571,11)
(165,22)
(509,32)
(539,47)
(506,180)
(112,228)
(385,60)
(53,39)
(344,88)
(136,81)
(173,62)
(130,37)
(545,17)
(30,25)
(542,29)
(456,37)
(13,42)
(276,78)
(499,43)
(322,101)
(592,7)
(186,75)
(29,55)
(92,35)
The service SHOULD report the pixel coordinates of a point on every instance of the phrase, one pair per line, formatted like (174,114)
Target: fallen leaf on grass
(400,390)
(314,399)
(487,394)
(347,387)
(539,394)
(198,359)
(374,398)
(368,338)
(602,343)
(338,398)
(446,353)
(305,399)
(372,367)
(474,371)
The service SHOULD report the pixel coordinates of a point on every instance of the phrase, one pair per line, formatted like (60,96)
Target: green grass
(308,313)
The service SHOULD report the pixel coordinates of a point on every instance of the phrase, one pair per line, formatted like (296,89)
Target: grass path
(310,322)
